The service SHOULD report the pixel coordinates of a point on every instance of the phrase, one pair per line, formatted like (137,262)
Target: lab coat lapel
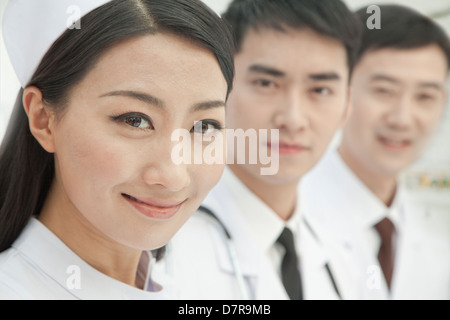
(251,259)
(321,247)
(314,259)
(228,212)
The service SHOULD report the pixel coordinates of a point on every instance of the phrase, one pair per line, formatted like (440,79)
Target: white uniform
(39,266)
(199,264)
(343,205)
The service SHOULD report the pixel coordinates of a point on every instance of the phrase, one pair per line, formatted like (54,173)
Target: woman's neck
(70,226)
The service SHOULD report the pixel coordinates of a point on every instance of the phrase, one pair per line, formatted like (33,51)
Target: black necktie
(386,230)
(290,274)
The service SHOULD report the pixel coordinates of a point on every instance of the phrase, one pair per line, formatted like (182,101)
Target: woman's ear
(40,119)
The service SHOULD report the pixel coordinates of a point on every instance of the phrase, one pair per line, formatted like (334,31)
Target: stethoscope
(243,288)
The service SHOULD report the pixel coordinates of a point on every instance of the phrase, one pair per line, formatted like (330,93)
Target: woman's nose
(163,171)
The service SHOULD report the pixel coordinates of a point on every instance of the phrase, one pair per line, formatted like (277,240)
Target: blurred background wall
(429,177)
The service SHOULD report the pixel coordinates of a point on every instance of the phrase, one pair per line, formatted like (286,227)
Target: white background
(436,160)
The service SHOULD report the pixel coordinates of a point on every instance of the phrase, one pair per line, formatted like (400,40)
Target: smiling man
(398,98)
(293,63)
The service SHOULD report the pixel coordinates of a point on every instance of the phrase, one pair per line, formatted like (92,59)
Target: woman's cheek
(90,164)
(207,176)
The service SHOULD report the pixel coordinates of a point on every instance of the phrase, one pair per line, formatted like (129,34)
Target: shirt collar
(264,224)
(49,254)
(366,208)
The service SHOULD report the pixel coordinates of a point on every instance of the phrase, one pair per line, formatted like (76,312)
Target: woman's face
(113,143)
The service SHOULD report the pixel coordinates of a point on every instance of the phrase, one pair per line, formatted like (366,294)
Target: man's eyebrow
(432,85)
(266,70)
(324,76)
(382,77)
(425,84)
(144,97)
(149,99)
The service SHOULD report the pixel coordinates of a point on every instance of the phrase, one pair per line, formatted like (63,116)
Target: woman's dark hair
(402,28)
(329,18)
(26,169)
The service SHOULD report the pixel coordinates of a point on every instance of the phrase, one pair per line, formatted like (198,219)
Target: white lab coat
(199,266)
(39,266)
(341,204)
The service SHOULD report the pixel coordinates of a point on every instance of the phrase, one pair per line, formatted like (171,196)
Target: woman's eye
(206,126)
(138,121)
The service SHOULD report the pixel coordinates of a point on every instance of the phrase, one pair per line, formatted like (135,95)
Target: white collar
(364,206)
(265,225)
(49,254)
(231,201)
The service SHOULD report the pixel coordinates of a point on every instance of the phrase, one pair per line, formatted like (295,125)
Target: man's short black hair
(402,28)
(330,18)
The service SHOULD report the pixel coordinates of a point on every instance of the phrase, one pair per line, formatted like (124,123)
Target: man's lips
(154,208)
(394,143)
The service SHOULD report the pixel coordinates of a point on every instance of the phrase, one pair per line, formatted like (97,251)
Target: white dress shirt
(39,266)
(342,204)
(265,225)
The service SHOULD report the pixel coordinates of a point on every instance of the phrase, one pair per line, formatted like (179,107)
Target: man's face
(296,82)
(398,98)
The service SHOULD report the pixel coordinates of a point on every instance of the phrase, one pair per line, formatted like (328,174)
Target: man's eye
(383,91)
(138,121)
(322,91)
(206,126)
(265,83)
(426,97)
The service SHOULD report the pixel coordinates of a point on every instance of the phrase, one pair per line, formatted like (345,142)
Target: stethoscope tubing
(234,259)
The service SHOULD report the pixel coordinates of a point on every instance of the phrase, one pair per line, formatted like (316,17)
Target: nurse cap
(30,27)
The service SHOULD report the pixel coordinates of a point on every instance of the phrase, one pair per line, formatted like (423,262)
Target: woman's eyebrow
(149,99)
(208,105)
(144,97)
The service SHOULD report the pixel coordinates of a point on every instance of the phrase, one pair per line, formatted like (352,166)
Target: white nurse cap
(30,27)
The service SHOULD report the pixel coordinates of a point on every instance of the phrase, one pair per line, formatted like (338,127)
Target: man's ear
(348,109)
(40,119)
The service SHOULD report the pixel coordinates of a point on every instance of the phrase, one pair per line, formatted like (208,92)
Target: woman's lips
(162,210)
(289,148)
